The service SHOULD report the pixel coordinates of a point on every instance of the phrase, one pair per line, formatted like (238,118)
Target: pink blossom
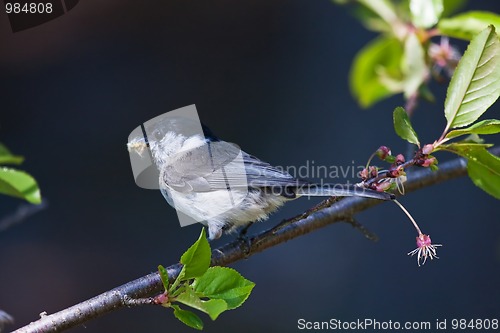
(425,249)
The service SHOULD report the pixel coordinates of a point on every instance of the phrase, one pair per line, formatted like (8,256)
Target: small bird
(218,184)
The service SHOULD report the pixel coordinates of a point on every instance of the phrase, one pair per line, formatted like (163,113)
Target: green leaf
(370,20)
(475,85)
(164,276)
(402,126)
(469,24)
(482,166)
(224,283)
(6,157)
(484,170)
(196,259)
(377,62)
(383,8)
(489,126)
(425,13)
(414,67)
(472,138)
(452,6)
(464,149)
(383,16)
(19,184)
(187,317)
(212,307)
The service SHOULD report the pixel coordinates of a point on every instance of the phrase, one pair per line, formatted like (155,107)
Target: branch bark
(149,285)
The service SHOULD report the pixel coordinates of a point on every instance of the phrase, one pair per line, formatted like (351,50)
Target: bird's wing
(222,165)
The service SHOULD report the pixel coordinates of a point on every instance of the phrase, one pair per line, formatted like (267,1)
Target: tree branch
(22,212)
(149,285)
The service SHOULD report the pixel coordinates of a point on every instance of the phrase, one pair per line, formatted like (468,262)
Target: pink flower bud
(423,240)
(444,55)
(429,161)
(427,149)
(398,172)
(381,187)
(425,249)
(383,152)
(161,299)
(400,159)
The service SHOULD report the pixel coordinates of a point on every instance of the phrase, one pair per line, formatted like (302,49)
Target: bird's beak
(137,145)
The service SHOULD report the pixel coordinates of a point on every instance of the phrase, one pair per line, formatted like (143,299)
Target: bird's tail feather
(341,190)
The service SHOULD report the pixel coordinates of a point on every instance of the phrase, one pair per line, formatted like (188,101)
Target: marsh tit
(219,185)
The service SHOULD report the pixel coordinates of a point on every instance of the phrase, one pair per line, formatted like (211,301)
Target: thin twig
(370,235)
(5,319)
(22,212)
(151,284)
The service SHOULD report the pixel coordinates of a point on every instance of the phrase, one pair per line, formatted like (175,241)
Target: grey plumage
(197,173)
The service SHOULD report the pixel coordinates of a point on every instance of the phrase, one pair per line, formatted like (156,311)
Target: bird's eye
(157,134)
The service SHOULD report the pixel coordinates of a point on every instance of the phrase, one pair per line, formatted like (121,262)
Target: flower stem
(370,160)
(409,216)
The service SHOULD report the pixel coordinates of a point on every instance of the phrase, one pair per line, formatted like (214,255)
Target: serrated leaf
(414,67)
(475,85)
(464,149)
(6,157)
(374,64)
(484,170)
(402,126)
(425,13)
(19,184)
(489,126)
(196,259)
(164,276)
(483,167)
(224,283)
(187,317)
(212,307)
(469,24)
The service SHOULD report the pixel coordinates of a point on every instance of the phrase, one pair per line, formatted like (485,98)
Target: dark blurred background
(268,75)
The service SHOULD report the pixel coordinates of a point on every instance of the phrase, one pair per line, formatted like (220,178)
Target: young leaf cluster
(474,87)
(211,290)
(400,59)
(15,182)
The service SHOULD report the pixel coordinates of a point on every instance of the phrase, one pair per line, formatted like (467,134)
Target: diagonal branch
(149,285)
